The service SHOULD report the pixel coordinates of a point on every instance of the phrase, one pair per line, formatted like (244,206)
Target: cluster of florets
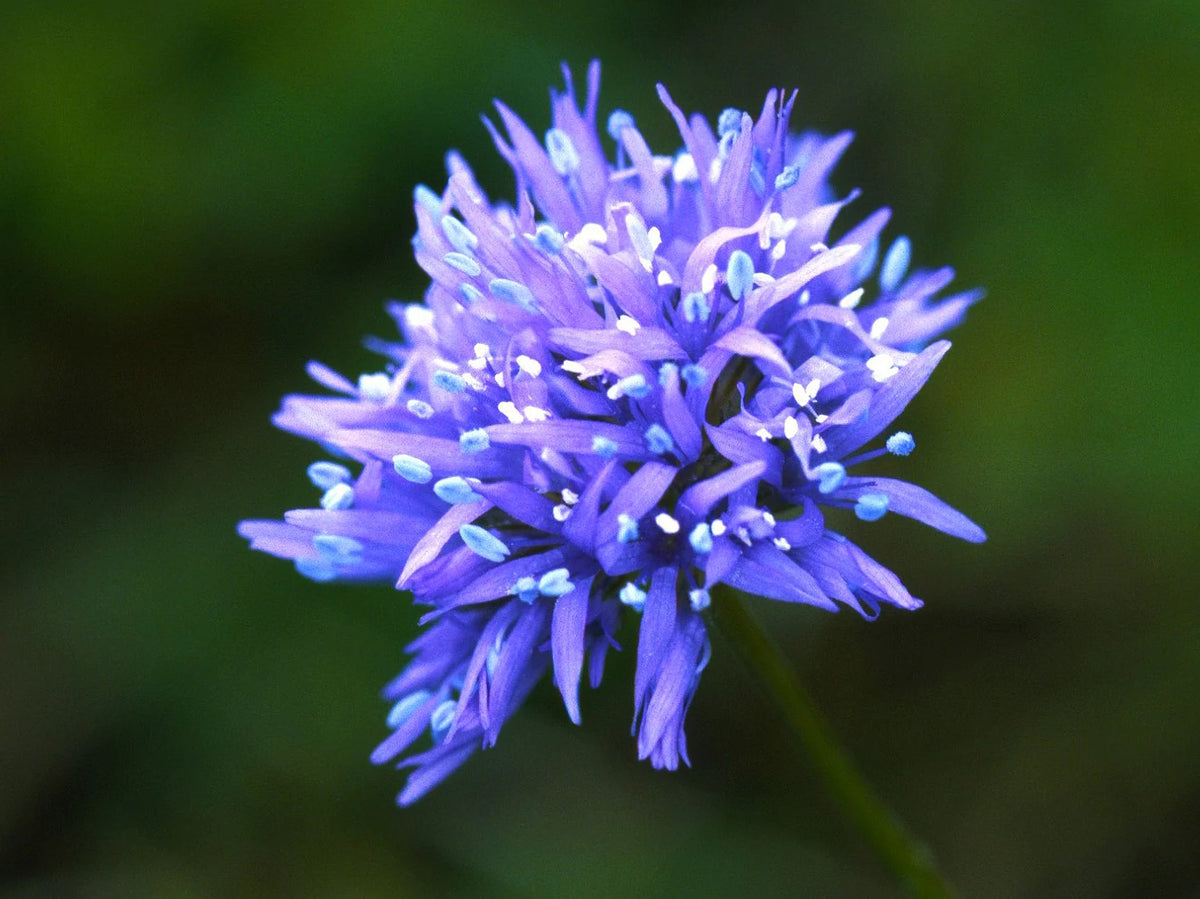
(648,377)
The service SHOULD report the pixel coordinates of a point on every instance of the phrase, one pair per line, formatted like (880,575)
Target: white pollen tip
(717,528)
(708,280)
(535,413)
(852,299)
(818,443)
(790,428)
(666,523)
(664,278)
(529,365)
(628,324)
(561,512)
(569,496)
(782,543)
(878,327)
(763,434)
(509,410)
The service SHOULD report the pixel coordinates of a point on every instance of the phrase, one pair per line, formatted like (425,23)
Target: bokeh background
(196,198)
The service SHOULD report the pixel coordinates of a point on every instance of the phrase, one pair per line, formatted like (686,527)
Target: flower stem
(901,853)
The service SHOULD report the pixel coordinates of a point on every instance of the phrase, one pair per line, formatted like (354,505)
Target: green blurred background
(196,199)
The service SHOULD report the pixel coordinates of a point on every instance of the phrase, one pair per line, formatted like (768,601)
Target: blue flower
(649,376)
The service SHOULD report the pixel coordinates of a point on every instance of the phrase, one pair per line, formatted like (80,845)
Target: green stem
(905,856)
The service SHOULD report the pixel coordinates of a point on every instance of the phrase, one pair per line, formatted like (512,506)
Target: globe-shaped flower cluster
(650,376)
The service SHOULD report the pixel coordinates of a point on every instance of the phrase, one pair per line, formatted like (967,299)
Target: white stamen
(499,376)
(818,247)
(800,394)
(878,327)
(509,410)
(782,543)
(664,278)
(628,324)
(821,418)
(529,365)
(763,434)
(708,280)
(535,413)
(482,351)
(569,496)
(592,233)
(684,168)
(717,528)
(790,428)
(778,250)
(805,296)
(769,518)
(818,443)
(561,512)
(666,523)
(850,300)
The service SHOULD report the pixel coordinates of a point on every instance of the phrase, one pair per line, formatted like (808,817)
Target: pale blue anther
(442,719)
(758,173)
(871,506)
(627,528)
(604,446)
(699,599)
(730,120)
(512,292)
(455,491)
(419,408)
(317,568)
(639,237)
(483,543)
(493,656)
(695,307)
(830,476)
(634,385)
(449,381)
(412,469)
(425,197)
(666,372)
(325,474)
(339,496)
(464,263)
(901,443)
(693,375)
(739,274)
(633,596)
(474,441)
(725,146)
(460,236)
(701,538)
(403,710)
(789,176)
(555,583)
(562,152)
(895,264)
(526,589)
(470,293)
(618,121)
(658,439)
(548,239)
(337,548)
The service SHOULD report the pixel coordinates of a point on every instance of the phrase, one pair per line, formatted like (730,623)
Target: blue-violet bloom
(649,376)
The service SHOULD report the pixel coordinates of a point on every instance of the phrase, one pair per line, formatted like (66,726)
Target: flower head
(650,376)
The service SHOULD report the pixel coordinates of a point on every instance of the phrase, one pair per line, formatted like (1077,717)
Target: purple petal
(916,502)
(566,644)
